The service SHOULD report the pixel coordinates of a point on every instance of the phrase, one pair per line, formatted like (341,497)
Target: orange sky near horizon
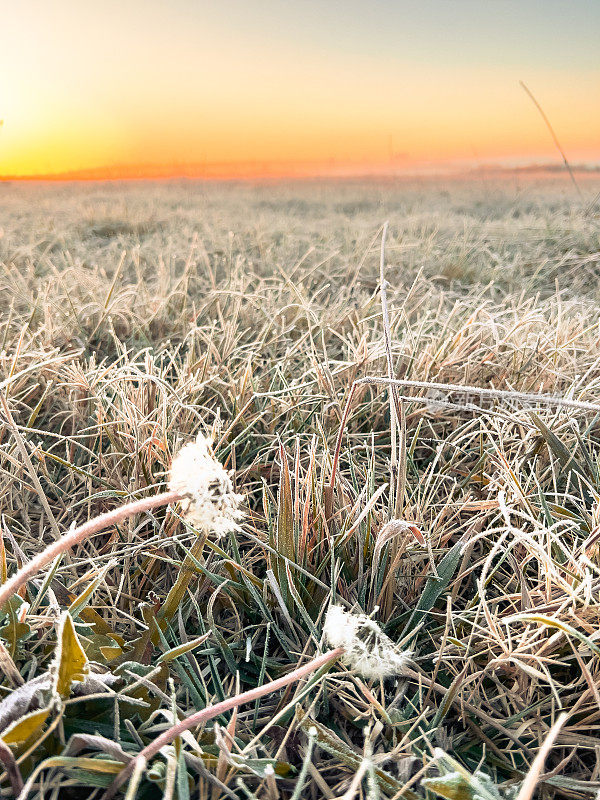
(251,86)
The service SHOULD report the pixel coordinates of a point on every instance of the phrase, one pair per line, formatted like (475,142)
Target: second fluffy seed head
(367,648)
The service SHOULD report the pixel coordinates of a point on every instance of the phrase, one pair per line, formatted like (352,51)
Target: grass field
(135,316)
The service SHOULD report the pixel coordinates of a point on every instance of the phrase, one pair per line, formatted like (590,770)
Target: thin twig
(501,394)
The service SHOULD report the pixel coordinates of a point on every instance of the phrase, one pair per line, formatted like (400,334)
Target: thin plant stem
(216,710)
(554,136)
(77,535)
(531,780)
(387,340)
(12,768)
(328,490)
(338,443)
(397,411)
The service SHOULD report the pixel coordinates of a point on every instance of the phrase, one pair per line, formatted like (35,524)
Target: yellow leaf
(175,652)
(72,663)
(100,626)
(22,729)
(111,652)
(96,765)
(451,787)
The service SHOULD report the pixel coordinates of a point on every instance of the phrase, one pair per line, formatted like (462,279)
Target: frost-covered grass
(135,316)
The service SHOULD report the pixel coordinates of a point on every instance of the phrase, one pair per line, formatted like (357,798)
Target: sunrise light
(247,88)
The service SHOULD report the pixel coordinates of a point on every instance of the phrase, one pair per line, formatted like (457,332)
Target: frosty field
(136,315)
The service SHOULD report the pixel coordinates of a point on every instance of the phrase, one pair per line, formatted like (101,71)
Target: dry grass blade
(529,784)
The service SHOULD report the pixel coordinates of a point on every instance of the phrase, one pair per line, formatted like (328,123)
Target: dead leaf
(26,727)
(71,661)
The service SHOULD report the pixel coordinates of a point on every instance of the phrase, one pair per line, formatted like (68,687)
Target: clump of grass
(465,526)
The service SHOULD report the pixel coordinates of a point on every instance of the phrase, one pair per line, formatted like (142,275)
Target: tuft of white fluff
(367,648)
(212,505)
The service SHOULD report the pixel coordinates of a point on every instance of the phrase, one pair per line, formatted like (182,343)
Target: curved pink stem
(219,708)
(73,537)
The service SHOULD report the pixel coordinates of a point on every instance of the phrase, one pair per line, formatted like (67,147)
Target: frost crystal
(368,650)
(212,505)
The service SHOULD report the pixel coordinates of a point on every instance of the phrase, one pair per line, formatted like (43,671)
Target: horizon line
(227,171)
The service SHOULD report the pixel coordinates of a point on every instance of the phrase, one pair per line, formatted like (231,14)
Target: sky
(250,87)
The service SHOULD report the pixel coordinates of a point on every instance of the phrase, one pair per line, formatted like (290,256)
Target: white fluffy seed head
(367,649)
(211,504)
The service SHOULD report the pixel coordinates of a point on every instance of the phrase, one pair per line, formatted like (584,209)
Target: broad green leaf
(71,661)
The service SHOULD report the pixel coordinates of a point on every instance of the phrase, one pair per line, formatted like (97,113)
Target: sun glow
(146,89)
